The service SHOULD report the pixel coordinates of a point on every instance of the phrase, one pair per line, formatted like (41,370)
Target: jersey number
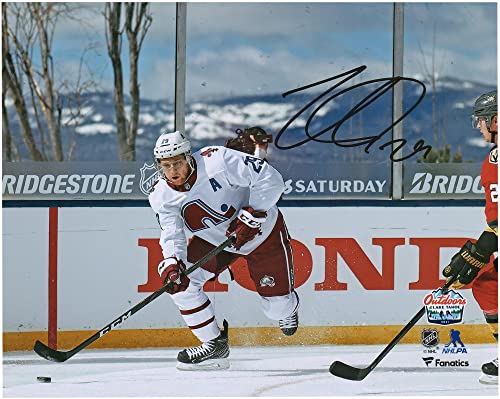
(494,192)
(256,163)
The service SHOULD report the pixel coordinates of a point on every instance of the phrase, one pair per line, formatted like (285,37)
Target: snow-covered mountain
(212,122)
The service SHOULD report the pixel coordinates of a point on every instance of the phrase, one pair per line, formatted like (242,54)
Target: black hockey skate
(211,355)
(291,323)
(490,373)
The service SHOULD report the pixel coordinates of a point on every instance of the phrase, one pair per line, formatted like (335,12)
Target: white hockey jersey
(226,181)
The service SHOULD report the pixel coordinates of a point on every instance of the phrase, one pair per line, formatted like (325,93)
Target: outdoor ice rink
(255,372)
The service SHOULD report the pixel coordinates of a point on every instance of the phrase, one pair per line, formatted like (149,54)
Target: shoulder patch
(208,152)
(494,155)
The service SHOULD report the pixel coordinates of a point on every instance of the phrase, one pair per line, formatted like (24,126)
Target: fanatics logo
(428,360)
(444,363)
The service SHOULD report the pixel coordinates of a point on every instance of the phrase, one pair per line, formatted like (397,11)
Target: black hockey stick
(343,370)
(61,356)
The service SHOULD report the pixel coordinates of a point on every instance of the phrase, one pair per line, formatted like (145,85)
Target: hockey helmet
(485,108)
(171,144)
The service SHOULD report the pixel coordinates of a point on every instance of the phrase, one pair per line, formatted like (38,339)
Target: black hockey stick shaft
(61,356)
(348,372)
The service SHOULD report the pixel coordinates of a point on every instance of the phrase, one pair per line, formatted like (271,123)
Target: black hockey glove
(465,264)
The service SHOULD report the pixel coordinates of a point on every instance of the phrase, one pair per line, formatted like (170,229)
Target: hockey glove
(246,226)
(172,271)
(465,265)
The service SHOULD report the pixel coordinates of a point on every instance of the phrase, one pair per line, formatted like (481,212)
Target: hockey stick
(61,356)
(343,370)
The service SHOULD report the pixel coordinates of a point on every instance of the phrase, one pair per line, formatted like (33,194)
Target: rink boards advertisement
(133,180)
(359,272)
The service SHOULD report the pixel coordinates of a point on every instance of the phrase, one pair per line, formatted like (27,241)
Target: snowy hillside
(213,122)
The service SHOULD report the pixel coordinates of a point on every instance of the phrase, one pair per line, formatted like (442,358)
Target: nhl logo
(430,337)
(267,280)
(149,175)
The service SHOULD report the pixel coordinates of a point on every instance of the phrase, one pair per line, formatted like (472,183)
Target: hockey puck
(44,379)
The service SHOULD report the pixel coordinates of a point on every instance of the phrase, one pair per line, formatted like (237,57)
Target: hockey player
(253,140)
(211,194)
(471,258)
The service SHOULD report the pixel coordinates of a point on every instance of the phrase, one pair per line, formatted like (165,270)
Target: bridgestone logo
(67,184)
(427,183)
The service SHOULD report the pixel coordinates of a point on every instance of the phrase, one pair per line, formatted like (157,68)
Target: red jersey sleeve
(489,181)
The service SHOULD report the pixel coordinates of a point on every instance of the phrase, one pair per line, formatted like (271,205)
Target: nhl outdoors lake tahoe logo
(445,308)
(149,175)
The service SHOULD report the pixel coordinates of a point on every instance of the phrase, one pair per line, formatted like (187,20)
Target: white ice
(255,371)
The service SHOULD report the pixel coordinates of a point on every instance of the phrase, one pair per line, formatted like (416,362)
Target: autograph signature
(368,141)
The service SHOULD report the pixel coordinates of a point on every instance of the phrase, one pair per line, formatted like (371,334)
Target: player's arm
(266,186)
(265,182)
(173,244)
(472,257)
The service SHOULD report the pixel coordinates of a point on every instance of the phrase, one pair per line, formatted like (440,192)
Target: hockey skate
(489,373)
(211,355)
(291,323)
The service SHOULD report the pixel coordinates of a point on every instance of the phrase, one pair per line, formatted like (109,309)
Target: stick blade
(50,354)
(347,372)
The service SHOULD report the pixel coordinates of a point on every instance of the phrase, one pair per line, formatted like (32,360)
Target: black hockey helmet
(485,108)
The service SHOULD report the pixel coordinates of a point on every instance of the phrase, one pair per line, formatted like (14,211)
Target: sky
(257,48)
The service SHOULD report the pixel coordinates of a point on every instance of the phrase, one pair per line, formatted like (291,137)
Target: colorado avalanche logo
(198,215)
(149,176)
(267,280)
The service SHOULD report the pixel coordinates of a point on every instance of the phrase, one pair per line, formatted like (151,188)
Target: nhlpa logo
(430,337)
(149,176)
(445,308)
(452,347)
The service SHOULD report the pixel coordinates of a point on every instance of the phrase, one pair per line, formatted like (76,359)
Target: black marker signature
(365,102)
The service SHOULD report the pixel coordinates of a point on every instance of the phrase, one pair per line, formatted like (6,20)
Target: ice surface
(255,371)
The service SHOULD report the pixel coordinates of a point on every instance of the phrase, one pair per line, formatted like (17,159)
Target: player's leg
(271,268)
(485,291)
(198,313)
